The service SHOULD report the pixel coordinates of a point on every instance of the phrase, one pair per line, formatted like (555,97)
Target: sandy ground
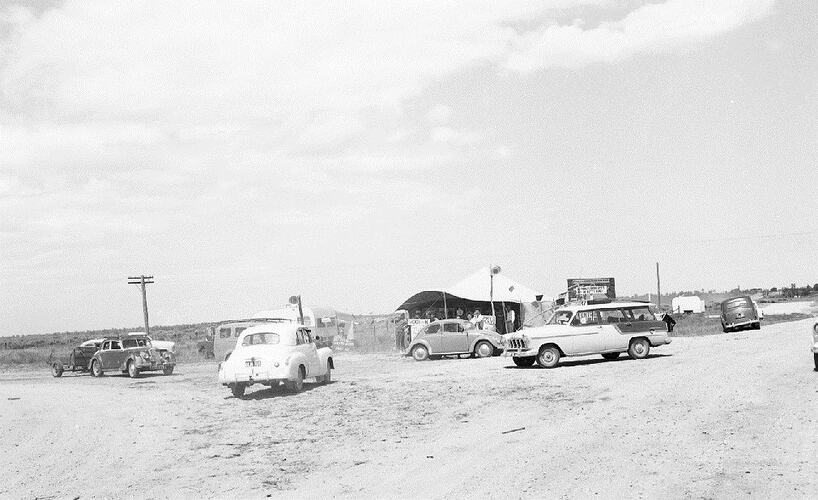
(718,416)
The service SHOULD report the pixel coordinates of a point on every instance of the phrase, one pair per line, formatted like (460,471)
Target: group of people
(475,318)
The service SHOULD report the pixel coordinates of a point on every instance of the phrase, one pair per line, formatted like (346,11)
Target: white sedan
(272,353)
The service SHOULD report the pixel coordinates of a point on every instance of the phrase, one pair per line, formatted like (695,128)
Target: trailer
(78,360)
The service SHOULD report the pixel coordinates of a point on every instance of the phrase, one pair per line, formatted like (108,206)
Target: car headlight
(145,356)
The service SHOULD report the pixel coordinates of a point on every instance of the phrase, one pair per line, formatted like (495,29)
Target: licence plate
(252,362)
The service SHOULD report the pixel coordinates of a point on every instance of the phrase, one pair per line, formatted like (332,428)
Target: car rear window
(261,338)
(736,303)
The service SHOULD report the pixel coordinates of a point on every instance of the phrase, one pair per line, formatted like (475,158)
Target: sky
(358,152)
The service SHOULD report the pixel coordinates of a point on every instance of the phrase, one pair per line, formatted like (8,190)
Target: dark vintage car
(78,360)
(738,313)
(454,336)
(131,354)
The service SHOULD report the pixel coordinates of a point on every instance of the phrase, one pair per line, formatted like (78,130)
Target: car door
(454,338)
(310,352)
(434,338)
(613,339)
(586,333)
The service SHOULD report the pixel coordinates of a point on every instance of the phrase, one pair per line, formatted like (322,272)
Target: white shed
(688,304)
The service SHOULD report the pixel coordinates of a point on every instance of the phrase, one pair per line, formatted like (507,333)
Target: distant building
(687,304)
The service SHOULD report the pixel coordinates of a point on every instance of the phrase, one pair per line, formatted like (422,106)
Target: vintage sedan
(454,337)
(131,354)
(580,330)
(815,345)
(738,313)
(272,353)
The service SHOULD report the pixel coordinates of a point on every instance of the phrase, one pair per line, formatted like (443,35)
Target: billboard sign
(581,289)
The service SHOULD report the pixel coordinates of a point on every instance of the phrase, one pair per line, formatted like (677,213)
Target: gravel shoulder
(717,416)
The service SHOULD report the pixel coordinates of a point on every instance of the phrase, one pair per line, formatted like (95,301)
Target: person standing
(477,319)
(669,321)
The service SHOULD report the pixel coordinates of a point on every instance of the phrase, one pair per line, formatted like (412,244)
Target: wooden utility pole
(143,280)
(658,288)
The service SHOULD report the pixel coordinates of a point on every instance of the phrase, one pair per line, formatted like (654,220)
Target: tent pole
(491,293)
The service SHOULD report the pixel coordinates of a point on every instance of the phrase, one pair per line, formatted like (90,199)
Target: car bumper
(146,366)
(739,324)
(253,376)
(518,352)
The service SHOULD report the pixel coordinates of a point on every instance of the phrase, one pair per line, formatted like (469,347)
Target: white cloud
(650,28)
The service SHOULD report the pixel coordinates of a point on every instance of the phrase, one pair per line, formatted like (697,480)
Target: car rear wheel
(133,371)
(611,355)
(297,384)
(326,379)
(420,353)
(237,390)
(483,349)
(639,348)
(549,357)
(96,368)
(56,369)
(524,361)
(168,370)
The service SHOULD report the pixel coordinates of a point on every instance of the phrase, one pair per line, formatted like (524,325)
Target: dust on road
(716,416)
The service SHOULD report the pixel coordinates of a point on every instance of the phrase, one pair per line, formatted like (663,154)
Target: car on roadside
(454,337)
(272,353)
(815,345)
(739,313)
(605,327)
(132,354)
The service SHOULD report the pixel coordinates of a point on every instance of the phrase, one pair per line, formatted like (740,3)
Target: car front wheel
(549,357)
(133,371)
(168,370)
(420,353)
(524,361)
(56,369)
(483,350)
(639,349)
(96,368)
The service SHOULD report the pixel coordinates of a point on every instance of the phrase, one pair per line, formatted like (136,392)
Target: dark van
(738,313)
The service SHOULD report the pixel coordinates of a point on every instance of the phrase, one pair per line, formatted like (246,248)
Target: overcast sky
(357,152)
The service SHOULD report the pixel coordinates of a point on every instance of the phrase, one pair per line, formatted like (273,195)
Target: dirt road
(719,416)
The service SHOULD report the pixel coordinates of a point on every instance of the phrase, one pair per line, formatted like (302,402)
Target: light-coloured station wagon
(608,328)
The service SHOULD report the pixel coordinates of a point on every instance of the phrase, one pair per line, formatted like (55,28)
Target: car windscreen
(126,343)
(560,318)
(261,339)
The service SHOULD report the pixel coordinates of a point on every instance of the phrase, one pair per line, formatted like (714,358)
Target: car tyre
(96,368)
(297,384)
(756,326)
(610,356)
(167,370)
(238,390)
(328,377)
(548,357)
(420,353)
(524,362)
(815,356)
(56,370)
(639,348)
(484,349)
(133,371)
